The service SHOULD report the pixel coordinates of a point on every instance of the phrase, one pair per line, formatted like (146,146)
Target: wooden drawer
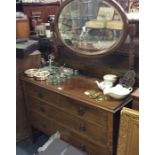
(84,128)
(69,105)
(50,126)
(41,93)
(88,146)
(41,123)
(135,104)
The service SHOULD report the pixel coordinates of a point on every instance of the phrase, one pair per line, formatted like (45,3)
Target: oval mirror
(91,27)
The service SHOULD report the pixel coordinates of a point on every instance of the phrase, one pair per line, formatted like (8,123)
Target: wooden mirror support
(75,53)
(132,33)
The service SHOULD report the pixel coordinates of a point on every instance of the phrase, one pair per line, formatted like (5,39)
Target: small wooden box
(22,28)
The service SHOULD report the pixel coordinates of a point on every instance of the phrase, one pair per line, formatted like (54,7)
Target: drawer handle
(40,95)
(82,147)
(82,127)
(44,126)
(81,110)
(42,109)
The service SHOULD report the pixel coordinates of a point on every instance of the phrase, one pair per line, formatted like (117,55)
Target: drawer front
(80,109)
(90,147)
(41,123)
(69,105)
(135,104)
(81,126)
(49,126)
(41,93)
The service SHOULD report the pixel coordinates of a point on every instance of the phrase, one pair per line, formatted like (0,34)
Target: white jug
(118,92)
(102,85)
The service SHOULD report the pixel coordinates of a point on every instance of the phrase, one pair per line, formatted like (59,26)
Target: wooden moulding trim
(40,4)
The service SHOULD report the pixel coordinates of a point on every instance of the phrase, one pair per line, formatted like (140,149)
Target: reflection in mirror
(90,25)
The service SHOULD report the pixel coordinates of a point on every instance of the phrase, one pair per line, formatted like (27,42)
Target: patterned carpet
(27,147)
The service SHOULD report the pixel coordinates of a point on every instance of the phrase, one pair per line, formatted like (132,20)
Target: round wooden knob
(82,127)
(81,110)
(40,95)
(82,147)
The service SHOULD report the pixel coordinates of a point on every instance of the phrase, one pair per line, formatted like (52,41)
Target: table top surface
(75,87)
(135,93)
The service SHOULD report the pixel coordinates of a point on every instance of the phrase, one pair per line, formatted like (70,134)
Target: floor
(27,147)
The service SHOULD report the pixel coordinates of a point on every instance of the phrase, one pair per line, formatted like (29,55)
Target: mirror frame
(118,43)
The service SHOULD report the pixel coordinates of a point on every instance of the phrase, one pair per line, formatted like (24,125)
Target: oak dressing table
(87,124)
(82,121)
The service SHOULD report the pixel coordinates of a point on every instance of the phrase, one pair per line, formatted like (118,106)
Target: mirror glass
(90,27)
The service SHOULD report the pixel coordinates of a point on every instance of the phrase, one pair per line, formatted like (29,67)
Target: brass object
(98,96)
(41,75)
(30,72)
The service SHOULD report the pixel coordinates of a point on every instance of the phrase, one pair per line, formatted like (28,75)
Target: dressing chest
(82,45)
(85,123)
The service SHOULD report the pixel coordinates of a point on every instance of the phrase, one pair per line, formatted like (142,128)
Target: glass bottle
(48,31)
